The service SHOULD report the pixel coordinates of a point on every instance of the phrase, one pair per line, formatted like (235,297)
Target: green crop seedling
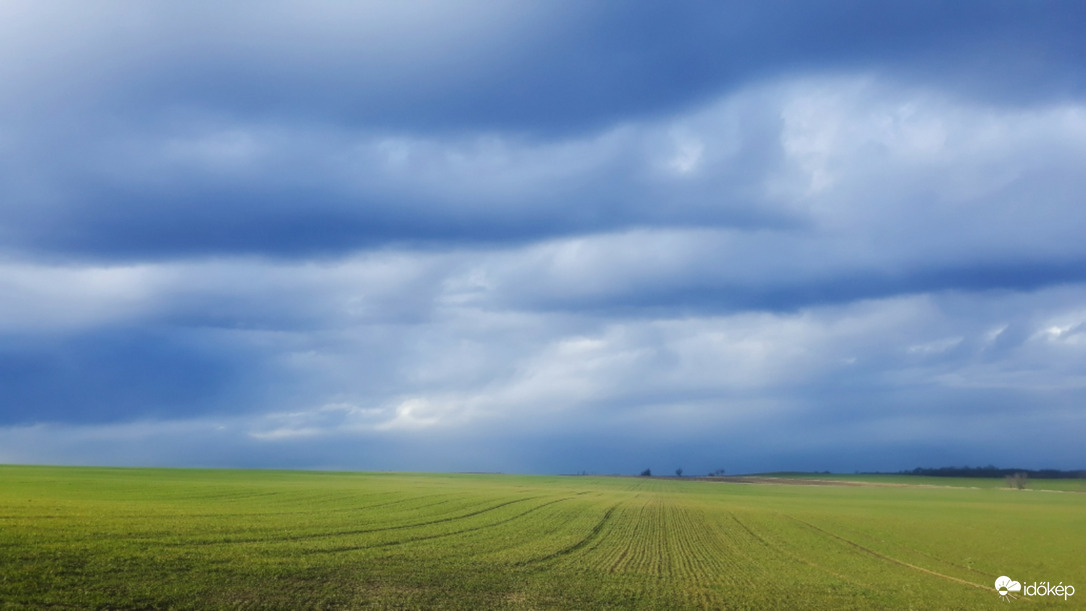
(223,539)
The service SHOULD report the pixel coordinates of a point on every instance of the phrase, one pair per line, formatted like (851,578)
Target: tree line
(993,471)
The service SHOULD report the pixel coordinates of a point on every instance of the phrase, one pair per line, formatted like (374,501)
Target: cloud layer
(543,237)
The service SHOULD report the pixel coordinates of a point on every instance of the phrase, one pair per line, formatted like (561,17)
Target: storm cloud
(543,237)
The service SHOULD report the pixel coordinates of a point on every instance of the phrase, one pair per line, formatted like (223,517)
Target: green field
(172,538)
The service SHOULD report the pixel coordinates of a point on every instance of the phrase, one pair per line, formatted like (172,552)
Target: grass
(98,538)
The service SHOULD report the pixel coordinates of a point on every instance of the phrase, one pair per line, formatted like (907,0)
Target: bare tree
(679,472)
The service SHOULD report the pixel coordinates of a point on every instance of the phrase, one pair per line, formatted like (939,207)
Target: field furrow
(176,539)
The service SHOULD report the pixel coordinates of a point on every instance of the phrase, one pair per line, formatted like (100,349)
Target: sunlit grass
(195,539)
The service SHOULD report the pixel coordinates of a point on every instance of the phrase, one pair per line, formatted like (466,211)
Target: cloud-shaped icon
(1005,584)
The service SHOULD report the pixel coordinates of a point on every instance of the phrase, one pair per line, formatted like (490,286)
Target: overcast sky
(543,237)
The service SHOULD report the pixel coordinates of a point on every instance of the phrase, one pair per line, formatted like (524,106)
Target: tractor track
(891,559)
(438,535)
(596,530)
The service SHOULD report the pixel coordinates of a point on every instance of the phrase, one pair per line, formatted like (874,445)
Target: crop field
(103,538)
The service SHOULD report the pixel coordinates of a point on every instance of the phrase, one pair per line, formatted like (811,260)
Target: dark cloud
(535,67)
(703,294)
(542,236)
(112,374)
(166,74)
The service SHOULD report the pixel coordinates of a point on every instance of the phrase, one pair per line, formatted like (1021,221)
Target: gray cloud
(543,236)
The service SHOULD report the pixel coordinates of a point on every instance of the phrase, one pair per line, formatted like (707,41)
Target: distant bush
(646,473)
(1017,480)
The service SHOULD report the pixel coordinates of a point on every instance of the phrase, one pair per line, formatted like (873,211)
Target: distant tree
(679,472)
(717,473)
(646,473)
(1017,480)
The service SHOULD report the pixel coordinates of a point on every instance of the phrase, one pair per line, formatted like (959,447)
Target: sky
(543,237)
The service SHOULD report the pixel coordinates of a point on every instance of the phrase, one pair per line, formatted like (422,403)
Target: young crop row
(184,539)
